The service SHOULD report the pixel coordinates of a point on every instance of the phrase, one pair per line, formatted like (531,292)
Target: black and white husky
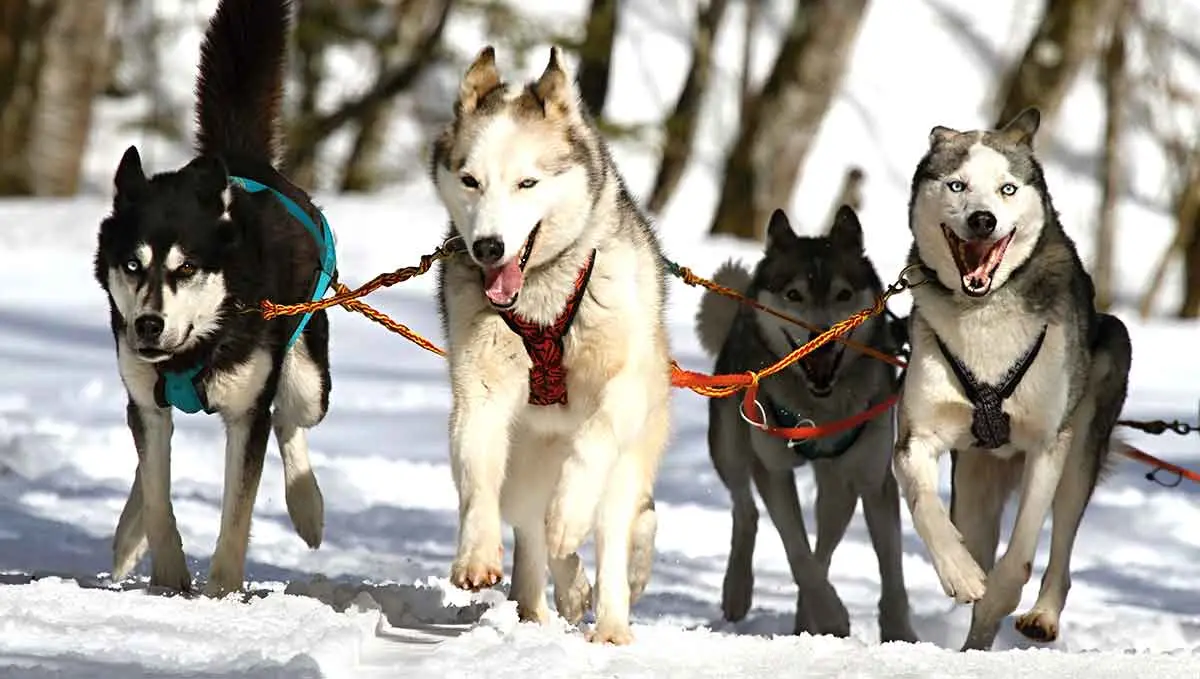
(1012,370)
(185,257)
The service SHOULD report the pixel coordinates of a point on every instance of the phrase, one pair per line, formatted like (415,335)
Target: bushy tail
(717,312)
(240,86)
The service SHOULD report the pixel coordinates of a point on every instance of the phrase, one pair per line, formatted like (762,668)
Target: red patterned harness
(544,344)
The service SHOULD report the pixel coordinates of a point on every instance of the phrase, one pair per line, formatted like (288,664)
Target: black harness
(989,423)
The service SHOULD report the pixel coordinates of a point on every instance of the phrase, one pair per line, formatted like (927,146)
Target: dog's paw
(567,526)
(617,634)
(475,571)
(219,588)
(962,579)
(821,611)
(1038,625)
(573,599)
(169,572)
(737,592)
(306,507)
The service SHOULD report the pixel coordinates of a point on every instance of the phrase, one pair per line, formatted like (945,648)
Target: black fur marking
(260,251)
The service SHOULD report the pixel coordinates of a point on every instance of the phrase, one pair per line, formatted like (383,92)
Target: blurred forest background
(61,59)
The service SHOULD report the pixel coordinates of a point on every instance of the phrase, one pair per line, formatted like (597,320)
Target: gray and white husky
(822,280)
(1012,370)
(559,366)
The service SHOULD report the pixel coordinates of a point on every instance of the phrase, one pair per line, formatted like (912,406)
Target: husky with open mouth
(558,355)
(1013,371)
(821,280)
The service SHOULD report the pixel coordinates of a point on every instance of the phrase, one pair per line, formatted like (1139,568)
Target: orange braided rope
(687,276)
(712,386)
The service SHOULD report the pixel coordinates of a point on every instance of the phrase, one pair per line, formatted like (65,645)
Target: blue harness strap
(182,389)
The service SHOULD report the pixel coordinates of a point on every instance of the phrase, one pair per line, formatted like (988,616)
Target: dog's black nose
(148,327)
(981,223)
(488,250)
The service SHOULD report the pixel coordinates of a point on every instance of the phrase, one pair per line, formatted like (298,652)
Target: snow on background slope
(374,600)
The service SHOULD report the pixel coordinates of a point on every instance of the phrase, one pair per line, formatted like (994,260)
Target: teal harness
(810,449)
(182,389)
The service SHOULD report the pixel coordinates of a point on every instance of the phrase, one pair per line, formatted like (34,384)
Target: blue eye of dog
(956,186)
(1008,188)
(794,296)
(133,266)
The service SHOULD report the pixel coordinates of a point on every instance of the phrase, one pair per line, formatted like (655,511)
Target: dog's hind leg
(245,450)
(152,429)
(129,540)
(819,609)
(300,403)
(732,459)
(529,572)
(981,483)
(1042,473)
(1108,386)
(836,501)
(641,552)
(881,509)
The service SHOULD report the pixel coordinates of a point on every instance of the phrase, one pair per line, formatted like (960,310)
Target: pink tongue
(978,255)
(502,284)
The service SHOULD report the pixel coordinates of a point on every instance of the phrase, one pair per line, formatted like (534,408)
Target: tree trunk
(850,194)
(681,125)
(23,27)
(310,131)
(73,73)
(1064,41)
(745,91)
(763,166)
(1115,89)
(595,55)
(1190,308)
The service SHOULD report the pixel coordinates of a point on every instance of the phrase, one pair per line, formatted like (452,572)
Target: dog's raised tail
(240,86)
(717,312)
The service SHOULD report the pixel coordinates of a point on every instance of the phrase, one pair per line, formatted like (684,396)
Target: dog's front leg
(152,428)
(1039,483)
(916,466)
(246,437)
(479,444)
(571,514)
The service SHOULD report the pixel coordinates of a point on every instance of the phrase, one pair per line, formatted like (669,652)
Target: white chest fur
(989,340)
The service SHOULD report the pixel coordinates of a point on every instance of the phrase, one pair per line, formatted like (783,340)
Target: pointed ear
(941,133)
(130,179)
(779,230)
(554,88)
(846,233)
(480,79)
(1020,130)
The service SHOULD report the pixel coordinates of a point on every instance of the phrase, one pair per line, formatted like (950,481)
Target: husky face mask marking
(978,204)
(160,259)
(512,172)
(820,280)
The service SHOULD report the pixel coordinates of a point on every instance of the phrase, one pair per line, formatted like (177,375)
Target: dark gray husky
(821,280)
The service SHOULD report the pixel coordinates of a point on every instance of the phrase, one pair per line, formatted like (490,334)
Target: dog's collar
(989,423)
(184,389)
(544,344)
(812,449)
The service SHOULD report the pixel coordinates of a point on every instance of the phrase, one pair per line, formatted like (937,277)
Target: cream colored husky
(557,348)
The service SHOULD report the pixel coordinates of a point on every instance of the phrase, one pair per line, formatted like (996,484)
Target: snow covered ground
(374,600)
